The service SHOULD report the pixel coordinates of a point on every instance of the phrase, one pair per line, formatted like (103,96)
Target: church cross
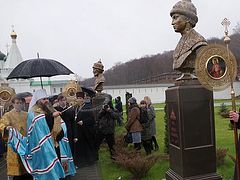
(226,23)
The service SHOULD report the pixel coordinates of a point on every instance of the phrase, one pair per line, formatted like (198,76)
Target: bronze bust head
(184,19)
(98,70)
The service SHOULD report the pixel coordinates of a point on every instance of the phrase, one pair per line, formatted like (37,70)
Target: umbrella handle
(41,82)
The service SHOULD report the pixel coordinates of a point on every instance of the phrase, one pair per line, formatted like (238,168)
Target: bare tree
(237,28)
(154,65)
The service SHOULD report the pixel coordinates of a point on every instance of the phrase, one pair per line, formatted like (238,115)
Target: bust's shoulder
(191,38)
(100,78)
(197,37)
(189,42)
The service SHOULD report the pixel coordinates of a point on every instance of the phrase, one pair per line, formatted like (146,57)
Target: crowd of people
(141,124)
(52,140)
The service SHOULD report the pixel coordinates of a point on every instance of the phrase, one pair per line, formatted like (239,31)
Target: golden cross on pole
(226,23)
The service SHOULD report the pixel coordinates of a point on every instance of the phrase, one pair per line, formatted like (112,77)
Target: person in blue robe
(45,151)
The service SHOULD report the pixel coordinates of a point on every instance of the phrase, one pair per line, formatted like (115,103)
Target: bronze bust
(184,19)
(98,74)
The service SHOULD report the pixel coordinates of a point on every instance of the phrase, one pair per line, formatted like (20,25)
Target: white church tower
(14,56)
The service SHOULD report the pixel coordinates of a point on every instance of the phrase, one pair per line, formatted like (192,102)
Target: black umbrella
(38,68)
(23,94)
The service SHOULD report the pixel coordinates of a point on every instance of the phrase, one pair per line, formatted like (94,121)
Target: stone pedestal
(97,103)
(192,147)
(98,100)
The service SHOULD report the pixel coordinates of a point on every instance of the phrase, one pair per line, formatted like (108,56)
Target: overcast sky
(79,32)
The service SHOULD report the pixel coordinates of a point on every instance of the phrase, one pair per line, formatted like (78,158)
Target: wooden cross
(226,23)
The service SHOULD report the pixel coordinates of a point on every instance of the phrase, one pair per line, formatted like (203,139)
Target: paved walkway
(86,173)
(3,169)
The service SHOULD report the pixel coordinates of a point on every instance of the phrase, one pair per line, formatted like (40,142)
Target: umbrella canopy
(38,68)
(23,94)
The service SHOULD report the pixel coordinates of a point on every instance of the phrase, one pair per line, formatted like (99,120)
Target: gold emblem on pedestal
(215,67)
(70,90)
(6,95)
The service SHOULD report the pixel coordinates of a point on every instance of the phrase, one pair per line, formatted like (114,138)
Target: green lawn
(224,139)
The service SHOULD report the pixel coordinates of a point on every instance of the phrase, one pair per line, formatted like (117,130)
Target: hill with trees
(154,65)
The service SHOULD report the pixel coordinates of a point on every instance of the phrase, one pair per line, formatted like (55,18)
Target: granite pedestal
(192,147)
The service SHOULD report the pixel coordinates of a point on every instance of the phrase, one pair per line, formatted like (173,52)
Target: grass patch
(226,100)
(224,139)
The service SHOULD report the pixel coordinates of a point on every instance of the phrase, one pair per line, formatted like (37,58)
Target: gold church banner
(215,67)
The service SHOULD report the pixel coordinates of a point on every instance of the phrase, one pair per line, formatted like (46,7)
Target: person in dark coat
(68,118)
(88,101)
(1,146)
(119,108)
(85,148)
(152,119)
(106,127)
(234,118)
(146,134)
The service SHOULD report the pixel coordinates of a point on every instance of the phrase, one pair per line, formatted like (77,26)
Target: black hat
(132,100)
(80,94)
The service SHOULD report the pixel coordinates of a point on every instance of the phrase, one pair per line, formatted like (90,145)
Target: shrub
(220,155)
(223,111)
(223,108)
(133,161)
